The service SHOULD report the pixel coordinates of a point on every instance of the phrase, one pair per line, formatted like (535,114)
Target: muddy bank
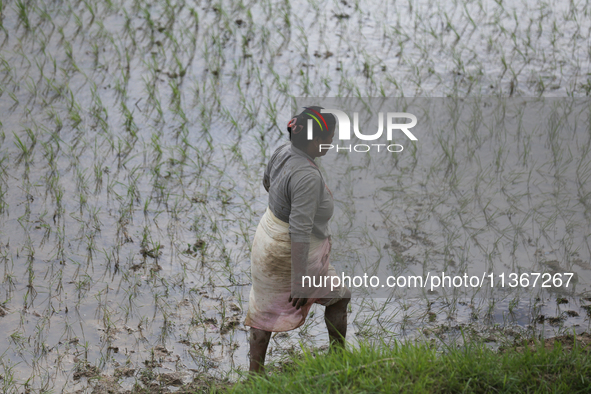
(133,137)
(150,382)
(567,342)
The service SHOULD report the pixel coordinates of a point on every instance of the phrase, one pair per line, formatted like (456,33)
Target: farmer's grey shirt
(298,194)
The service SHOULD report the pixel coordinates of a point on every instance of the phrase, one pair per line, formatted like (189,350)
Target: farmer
(292,240)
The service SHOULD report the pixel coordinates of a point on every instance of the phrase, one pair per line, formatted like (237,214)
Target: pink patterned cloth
(269,308)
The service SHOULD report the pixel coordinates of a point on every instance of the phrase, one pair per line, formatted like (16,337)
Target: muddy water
(131,149)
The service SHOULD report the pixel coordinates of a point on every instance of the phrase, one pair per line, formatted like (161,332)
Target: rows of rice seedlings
(498,193)
(132,143)
(503,216)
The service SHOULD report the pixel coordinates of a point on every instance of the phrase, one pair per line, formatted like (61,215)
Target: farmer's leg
(335,317)
(259,340)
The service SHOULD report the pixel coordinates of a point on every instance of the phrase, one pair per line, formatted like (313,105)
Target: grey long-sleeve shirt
(298,194)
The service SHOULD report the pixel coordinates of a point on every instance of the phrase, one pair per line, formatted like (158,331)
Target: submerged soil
(166,383)
(134,134)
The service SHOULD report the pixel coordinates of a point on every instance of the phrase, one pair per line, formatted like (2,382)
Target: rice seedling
(135,129)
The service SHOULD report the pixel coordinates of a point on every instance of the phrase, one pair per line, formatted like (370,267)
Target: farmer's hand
(299,265)
(298,302)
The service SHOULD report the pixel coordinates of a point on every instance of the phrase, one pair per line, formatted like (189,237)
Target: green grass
(419,368)
(134,135)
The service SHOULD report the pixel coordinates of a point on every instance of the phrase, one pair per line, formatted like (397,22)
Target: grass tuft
(418,367)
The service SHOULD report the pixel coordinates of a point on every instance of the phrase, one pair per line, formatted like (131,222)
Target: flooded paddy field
(133,137)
